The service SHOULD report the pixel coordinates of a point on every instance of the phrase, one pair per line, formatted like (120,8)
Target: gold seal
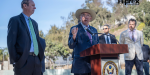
(110,69)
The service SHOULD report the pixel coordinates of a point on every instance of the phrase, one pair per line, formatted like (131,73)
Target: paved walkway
(58,72)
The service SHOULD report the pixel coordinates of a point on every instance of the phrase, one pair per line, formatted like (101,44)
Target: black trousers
(138,64)
(41,73)
(83,74)
(31,67)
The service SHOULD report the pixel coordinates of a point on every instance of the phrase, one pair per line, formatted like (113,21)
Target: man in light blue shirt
(23,42)
(27,21)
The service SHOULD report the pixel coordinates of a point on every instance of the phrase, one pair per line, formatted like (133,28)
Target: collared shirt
(134,33)
(84,28)
(108,38)
(27,22)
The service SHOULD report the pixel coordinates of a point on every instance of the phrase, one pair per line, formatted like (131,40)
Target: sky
(47,13)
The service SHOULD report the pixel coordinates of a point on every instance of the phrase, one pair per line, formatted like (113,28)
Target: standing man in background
(107,38)
(25,50)
(80,39)
(134,39)
(146,60)
(42,41)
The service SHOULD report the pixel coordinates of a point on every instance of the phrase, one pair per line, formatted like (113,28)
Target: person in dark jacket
(80,39)
(42,41)
(146,60)
(25,51)
(107,38)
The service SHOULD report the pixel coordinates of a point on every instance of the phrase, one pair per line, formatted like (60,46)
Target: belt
(32,54)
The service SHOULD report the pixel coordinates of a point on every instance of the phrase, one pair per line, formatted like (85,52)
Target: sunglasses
(105,28)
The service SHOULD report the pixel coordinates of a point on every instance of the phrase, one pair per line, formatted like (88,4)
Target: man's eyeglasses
(88,15)
(105,28)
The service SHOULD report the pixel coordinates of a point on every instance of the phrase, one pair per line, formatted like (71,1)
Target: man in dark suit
(146,60)
(25,50)
(80,39)
(42,41)
(107,38)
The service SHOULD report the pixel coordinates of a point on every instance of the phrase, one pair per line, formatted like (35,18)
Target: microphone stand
(86,28)
(114,38)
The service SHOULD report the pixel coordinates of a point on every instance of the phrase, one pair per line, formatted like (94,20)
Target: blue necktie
(107,40)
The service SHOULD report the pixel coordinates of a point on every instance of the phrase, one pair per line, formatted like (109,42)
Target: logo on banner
(129,2)
(110,68)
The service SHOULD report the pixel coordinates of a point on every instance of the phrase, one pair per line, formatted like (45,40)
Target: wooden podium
(96,52)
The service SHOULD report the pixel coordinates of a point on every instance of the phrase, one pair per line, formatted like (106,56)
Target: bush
(141,26)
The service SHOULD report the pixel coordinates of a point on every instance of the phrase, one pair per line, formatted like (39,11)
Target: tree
(41,34)
(103,16)
(54,44)
(6,55)
(142,15)
(1,55)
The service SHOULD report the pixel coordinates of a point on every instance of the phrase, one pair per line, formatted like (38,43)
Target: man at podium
(134,39)
(81,39)
(107,38)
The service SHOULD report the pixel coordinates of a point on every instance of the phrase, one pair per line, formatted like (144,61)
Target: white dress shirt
(134,33)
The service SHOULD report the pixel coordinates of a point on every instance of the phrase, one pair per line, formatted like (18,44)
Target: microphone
(87,29)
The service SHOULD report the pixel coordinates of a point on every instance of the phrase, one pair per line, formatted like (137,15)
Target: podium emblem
(110,68)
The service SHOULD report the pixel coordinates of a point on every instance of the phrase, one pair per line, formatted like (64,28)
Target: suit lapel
(93,40)
(111,38)
(25,24)
(104,39)
(128,36)
(93,37)
(138,36)
(83,33)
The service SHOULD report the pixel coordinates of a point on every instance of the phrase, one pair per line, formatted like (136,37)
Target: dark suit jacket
(82,42)
(19,41)
(42,41)
(102,39)
(146,52)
